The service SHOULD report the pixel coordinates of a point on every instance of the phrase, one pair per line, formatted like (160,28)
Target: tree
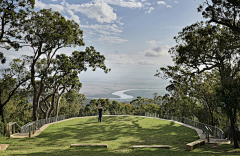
(116,106)
(92,105)
(153,108)
(105,103)
(12,15)
(203,87)
(224,12)
(14,78)
(206,47)
(18,109)
(158,99)
(138,102)
(58,81)
(47,32)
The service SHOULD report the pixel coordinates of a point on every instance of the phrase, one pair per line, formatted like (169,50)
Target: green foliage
(202,47)
(54,29)
(13,13)
(18,110)
(106,112)
(224,12)
(14,79)
(72,103)
(153,108)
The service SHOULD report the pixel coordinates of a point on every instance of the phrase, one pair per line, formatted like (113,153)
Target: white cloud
(73,16)
(55,7)
(123,3)
(158,51)
(150,10)
(104,29)
(63,2)
(147,3)
(148,62)
(161,2)
(99,10)
(153,42)
(164,3)
(176,2)
(54,0)
(102,12)
(104,32)
(134,59)
(119,58)
(119,21)
(111,39)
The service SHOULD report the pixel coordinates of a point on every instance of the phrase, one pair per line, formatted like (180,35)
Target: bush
(106,112)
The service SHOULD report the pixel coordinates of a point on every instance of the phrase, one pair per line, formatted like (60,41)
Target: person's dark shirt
(100,111)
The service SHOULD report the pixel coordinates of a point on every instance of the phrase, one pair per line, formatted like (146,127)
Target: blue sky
(133,35)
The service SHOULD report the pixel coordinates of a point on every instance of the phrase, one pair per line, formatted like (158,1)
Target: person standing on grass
(100,109)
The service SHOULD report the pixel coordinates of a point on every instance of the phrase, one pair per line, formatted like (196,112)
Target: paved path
(199,131)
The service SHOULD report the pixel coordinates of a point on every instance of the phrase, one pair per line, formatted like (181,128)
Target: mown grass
(119,132)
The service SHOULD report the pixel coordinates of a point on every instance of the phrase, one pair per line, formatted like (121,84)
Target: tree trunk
(211,113)
(58,101)
(52,106)
(234,133)
(1,112)
(46,113)
(35,114)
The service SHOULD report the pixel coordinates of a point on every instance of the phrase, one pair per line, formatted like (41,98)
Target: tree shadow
(120,133)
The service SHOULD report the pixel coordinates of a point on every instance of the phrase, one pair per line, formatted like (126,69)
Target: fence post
(13,132)
(208,136)
(7,130)
(216,131)
(34,127)
(29,130)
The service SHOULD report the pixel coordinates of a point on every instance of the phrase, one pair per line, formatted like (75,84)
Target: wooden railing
(11,128)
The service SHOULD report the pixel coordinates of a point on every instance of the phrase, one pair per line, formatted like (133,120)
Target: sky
(133,35)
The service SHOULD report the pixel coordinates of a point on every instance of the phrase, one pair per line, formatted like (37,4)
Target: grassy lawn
(119,132)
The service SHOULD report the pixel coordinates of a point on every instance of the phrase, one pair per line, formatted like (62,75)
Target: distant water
(128,95)
(122,95)
(133,93)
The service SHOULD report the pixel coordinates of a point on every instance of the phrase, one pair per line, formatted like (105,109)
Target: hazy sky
(134,35)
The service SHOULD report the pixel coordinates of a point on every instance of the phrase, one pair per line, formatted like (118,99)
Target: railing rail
(11,128)
(207,129)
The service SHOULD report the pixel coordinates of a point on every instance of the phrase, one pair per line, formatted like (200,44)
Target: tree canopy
(224,12)
(12,15)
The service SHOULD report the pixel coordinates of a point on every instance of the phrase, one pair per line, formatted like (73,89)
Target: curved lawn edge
(37,132)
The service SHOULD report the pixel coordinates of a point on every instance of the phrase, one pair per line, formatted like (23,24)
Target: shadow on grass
(125,130)
(90,151)
(119,132)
